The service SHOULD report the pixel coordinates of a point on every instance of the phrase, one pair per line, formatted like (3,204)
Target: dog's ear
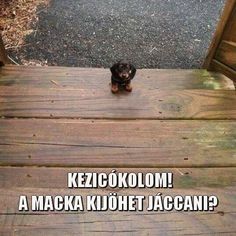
(133,71)
(113,69)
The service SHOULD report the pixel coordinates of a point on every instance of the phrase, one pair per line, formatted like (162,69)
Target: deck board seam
(109,166)
(113,118)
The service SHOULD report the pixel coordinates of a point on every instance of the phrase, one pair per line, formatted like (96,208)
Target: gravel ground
(151,33)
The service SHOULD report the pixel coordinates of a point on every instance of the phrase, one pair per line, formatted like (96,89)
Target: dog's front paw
(114,88)
(128,88)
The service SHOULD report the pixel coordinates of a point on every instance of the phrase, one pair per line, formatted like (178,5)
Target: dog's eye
(121,67)
(130,71)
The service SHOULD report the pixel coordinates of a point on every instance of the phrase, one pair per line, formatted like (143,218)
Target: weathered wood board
(221,221)
(223,29)
(217,65)
(74,93)
(92,103)
(98,78)
(226,54)
(3,56)
(54,177)
(94,143)
(221,55)
(28,181)
(59,120)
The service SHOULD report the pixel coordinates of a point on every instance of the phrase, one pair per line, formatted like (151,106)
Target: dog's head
(122,69)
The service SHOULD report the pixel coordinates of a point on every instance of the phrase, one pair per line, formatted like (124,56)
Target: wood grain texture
(222,53)
(230,31)
(222,68)
(36,154)
(85,93)
(94,103)
(3,56)
(221,221)
(53,177)
(230,5)
(141,143)
(95,78)
(226,53)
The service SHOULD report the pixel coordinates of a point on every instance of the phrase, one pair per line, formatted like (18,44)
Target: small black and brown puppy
(122,73)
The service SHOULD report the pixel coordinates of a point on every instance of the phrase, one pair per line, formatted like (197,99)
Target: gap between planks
(117,119)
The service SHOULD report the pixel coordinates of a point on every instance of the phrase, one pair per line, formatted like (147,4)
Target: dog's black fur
(122,73)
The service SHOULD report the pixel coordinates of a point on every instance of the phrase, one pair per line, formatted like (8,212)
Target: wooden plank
(221,221)
(101,103)
(230,31)
(53,177)
(222,56)
(119,224)
(3,56)
(97,143)
(222,68)
(224,19)
(95,78)
(226,54)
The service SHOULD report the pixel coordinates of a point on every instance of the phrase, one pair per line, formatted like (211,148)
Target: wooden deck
(59,120)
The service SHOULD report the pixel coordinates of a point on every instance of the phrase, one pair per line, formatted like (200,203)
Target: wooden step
(98,78)
(58,120)
(219,222)
(56,177)
(92,143)
(57,92)
(29,181)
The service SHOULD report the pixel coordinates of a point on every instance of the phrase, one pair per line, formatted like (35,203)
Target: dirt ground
(17,18)
(152,33)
